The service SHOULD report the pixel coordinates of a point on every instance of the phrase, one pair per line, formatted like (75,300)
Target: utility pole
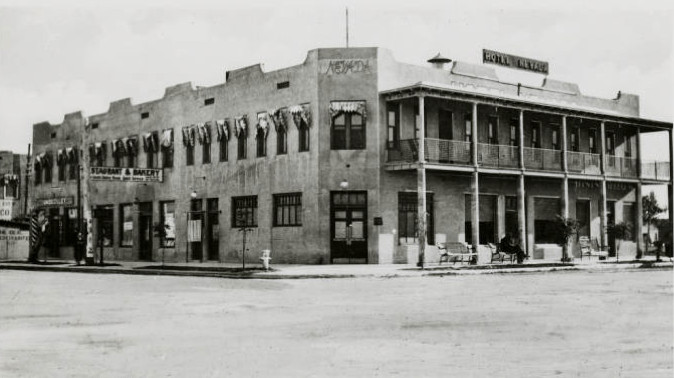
(347,27)
(25,197)
(86,208)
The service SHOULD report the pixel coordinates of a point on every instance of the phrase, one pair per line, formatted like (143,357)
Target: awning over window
(204,132)
(262,124)
(357,107)
(119,147)
(301,113)
(241,126)
(151,142)
(61,156)
(279,119)
(9,179)
(72,155)
(167,138)
(131,145)
(188,136)
(222,129)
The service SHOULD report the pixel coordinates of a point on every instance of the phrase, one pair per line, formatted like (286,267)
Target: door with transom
(348,227)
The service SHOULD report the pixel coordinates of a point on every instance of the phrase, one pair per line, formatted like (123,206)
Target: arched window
(282,141)
(303,133)
(348,125)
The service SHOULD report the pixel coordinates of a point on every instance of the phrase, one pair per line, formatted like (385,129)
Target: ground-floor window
(244,211)
(126,225)
(287,210)
(546,211)
(70,225)
(407,217)
(487,214)
(167,210)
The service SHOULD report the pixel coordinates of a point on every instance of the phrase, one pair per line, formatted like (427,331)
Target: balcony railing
(496,155)
(436,151)
(542,159)
(621,166)
(656,170)
(583,162)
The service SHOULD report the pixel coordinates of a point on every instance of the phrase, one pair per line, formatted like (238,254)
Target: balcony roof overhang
(508,100)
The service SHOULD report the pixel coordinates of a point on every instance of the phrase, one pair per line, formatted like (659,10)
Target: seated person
(511,246)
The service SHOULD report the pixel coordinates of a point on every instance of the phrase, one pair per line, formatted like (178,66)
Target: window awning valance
(301,113)
(188,136)
(357,107)
(131,145)
(118,147)
(9,179)
(167,138)
(278,117)
(262,124)
(222,129)
(241,126)
(61,156)
(45,159)
(151,142)
(72,155)
(204,132)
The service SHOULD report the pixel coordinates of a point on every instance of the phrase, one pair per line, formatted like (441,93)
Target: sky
(63,56)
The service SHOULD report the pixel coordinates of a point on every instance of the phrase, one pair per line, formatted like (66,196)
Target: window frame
(121,219)
(164,242)
(247,204)
(351,142)
(304,137)
(290,203)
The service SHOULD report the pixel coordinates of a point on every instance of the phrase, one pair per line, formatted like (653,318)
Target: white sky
(60,57)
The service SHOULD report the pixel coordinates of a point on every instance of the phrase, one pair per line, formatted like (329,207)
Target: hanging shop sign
(514,61)
(55,201)
(126,174)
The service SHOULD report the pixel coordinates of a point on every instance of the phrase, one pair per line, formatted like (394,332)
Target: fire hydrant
(265,258)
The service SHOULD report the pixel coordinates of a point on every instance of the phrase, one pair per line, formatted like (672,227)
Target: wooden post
(421,184)
(86,188)
(521,214)
(639,226)
(521,139)
(474,132)
(565,163)
(475,209)
(604,236)
(603,147)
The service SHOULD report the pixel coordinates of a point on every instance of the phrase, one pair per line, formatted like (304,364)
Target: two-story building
(320,163)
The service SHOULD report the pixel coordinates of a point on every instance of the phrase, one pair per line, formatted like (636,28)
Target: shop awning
(357,107)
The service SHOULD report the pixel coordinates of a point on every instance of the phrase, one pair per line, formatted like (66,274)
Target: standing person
(38,224)
(79,247)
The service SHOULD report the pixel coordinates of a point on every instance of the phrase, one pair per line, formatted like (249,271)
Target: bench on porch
(456,252)
(589,249)
(497,254)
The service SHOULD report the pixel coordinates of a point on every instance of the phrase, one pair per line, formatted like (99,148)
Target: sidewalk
(230,270)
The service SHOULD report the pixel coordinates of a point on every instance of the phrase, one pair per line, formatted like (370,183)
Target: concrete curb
(398,273)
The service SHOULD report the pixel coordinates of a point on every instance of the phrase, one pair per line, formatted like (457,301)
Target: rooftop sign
(514,61)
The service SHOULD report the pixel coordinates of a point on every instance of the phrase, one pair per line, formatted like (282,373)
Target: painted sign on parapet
(345,66)
(126,174)
(514,61)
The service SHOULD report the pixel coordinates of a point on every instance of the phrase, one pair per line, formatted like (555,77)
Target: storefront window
(167,214)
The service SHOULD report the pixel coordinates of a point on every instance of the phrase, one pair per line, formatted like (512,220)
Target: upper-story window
(592,140)
(151,148)
(222,135)
(73,157)
(241,131)
(514,131)
(301,115)
(131,152)
(393,126)
(97,154)
(555,139)
(492,129)
(348,125)
(188,141)
(204,137)
(167,148)
(535,134)
(628,146)
(61,159)
(574,140)
(610,143)
(262,130)
(468,125)
(47,167)
(281,127)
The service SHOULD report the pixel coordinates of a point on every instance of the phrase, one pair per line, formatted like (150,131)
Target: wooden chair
(499,255)
(587,249)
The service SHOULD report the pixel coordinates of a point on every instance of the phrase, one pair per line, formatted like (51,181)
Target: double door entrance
(348,227)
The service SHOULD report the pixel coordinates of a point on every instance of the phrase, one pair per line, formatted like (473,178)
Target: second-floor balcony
(497,156)
(583,162)
(617,166)
(542,159)
(436,151)
(656,170)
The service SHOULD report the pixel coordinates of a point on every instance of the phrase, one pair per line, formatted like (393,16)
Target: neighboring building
(12,185)
(311,157)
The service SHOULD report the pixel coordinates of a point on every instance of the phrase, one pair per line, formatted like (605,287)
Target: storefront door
(53,233)
(348,227)
(212,232)
(145,231)
(610,219)
(196,218)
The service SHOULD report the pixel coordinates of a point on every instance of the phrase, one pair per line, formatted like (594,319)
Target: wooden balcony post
(475,210)
(421,185)
(640,222)
(474,127)
(603,216)
(521,139)
(521,214)
(565,163)
(638,154)
(602,141)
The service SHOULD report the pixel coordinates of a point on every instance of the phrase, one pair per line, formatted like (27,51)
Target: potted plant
(619,231)
(566,229)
